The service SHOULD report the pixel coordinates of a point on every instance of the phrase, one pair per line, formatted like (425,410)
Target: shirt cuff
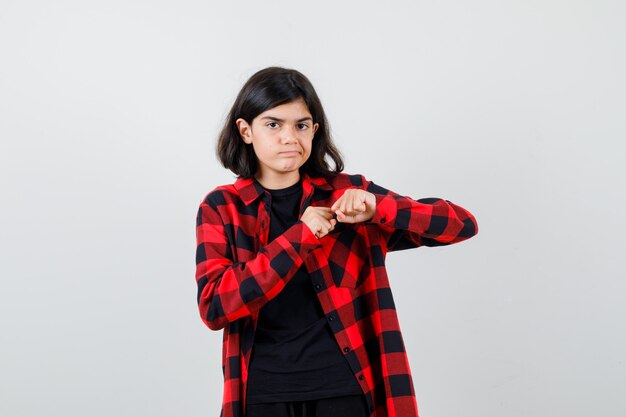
(386,210)
(302,238)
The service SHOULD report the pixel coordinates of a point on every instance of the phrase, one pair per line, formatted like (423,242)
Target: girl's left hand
(354,206)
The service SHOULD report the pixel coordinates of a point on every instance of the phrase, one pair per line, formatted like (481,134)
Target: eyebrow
(276,119)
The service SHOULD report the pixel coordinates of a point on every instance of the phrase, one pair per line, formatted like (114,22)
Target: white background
(109,113)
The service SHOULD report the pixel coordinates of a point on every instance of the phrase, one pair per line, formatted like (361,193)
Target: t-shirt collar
(250,189)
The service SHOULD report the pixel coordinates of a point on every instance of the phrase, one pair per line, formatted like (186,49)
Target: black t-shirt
(295,356)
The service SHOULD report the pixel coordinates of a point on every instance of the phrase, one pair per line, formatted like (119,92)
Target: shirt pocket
(348,256)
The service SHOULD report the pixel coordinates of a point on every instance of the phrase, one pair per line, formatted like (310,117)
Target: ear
(315,126)
(245,130)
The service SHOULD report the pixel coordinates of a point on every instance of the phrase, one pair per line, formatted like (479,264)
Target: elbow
(211,316)
(462,230)
(456,232)
(214,324)
(466,223)
(210,305)
(210,319)
(211,311)
(469,228)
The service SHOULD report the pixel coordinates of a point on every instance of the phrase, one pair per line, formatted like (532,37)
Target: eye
(303,126)
(272,125)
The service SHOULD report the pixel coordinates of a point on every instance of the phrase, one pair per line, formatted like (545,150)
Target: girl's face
(281,138)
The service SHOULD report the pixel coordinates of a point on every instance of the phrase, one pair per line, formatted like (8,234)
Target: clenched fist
(355,205)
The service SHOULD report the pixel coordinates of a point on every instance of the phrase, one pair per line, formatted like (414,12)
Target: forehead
(295,110)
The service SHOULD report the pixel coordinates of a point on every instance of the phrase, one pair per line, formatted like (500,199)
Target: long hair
(266,89)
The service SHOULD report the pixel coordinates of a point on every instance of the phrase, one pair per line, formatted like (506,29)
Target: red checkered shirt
(238,271)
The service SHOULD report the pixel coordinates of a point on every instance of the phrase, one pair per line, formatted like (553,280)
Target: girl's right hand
(319,219)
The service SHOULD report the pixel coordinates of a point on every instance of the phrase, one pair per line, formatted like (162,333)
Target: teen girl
(290,263)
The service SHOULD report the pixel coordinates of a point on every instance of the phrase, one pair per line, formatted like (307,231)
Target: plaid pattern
(237,272)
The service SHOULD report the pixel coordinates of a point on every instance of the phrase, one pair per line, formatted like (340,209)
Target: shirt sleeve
(406,223)
(228,290)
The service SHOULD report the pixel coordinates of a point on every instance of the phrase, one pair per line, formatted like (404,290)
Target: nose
(289,134)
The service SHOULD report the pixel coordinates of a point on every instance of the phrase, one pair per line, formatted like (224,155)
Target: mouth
(290,153)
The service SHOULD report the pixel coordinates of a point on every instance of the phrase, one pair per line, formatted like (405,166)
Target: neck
(278,182)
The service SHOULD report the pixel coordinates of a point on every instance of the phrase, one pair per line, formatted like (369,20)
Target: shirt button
(361,377)
(346,349)
(318,286)
(331,318)
(383,220)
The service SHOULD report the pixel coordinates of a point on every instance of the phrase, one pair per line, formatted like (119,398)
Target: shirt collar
(250,189)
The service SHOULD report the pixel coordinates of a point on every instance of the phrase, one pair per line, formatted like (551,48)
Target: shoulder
(221,196)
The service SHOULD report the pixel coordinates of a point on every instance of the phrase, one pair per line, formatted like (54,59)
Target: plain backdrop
(109,114)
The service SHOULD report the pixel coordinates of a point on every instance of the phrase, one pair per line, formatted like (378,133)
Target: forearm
(427,221)
(228,290)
